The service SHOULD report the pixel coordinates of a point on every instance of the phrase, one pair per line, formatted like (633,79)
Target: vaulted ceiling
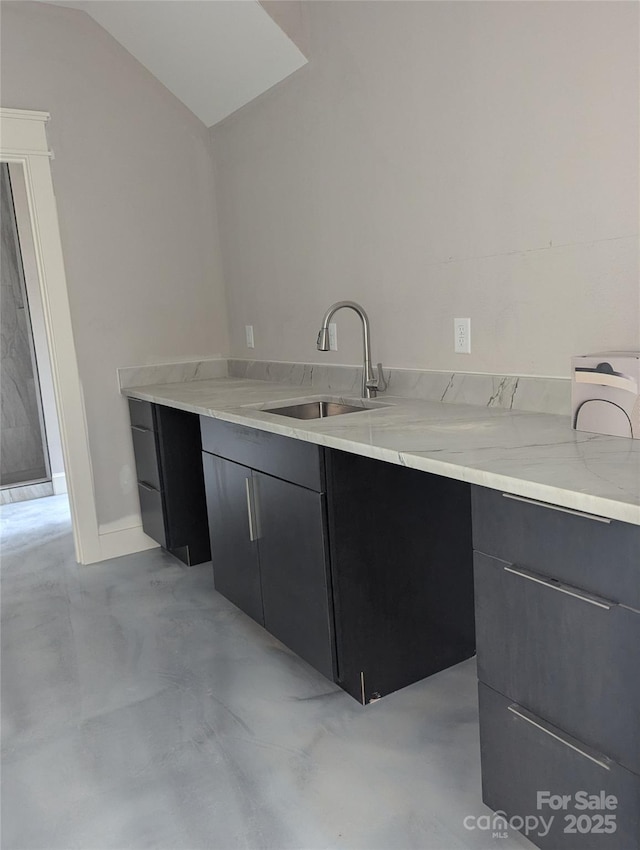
(214,55)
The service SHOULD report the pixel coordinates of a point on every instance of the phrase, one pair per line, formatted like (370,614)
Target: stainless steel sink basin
(316,409)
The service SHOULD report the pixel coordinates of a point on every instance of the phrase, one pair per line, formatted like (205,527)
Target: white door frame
(23,141)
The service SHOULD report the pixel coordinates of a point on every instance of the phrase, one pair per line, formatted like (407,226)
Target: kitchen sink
(316,409)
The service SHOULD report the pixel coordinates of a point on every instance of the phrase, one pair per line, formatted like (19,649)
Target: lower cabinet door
(551,786)
(234,549)
(294,569)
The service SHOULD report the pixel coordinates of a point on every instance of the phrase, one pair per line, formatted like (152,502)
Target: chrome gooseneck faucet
(370,384)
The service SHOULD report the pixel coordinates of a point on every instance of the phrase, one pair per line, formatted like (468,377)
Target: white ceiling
(214,55)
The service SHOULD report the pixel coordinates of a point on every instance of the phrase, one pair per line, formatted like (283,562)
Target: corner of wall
(292,18)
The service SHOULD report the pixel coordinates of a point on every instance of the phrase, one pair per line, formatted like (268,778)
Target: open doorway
(31,462)
(23,143)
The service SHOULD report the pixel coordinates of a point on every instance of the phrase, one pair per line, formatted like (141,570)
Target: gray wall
(22,454)
(438,160)
(134,186)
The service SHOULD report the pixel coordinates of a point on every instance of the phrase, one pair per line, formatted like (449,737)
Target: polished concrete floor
(142,710)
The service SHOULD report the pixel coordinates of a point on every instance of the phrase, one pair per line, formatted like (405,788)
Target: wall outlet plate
(248,329)
(462,336)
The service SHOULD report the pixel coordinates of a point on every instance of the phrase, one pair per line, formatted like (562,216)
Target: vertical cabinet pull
(250,510)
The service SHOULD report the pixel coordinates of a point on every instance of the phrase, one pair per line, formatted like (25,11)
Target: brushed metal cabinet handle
(250,514)
(598,601)
(147,487)
(140,428)
(514,708)
(556,508)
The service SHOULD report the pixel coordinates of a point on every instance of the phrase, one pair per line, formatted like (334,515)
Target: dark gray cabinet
(524,756)
(166,445)
(402,573)
(568,655)
(558,636)
(294,569)
(599,555)
(362,568)
(291,460)
(234,550)
(268,535)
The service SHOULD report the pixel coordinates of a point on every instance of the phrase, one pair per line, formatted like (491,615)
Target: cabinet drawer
(141,414)
(523,755)
(569,656)
(152,514)
(292,460)
(146,455)
(601,557)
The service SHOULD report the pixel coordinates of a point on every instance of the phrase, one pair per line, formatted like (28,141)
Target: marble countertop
(535,455)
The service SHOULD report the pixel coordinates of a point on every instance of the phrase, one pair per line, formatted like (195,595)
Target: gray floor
(142,710)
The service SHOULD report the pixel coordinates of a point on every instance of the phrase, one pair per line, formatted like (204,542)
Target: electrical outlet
(333,336)
(249,332)
(462,336)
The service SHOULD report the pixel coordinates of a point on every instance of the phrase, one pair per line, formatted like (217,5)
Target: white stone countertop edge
(552,463)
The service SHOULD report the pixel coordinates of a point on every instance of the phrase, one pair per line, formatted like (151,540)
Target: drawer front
(146,455)
(600,557)
(523,757)
(151,510)
(568,656)
(141,414)
(284,457)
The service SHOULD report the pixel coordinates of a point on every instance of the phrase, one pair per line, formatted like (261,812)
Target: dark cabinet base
(402,573)
(166,445)
(269,555)
(526,762)
(571,657)
(363,568)
(558,636)
(183,484)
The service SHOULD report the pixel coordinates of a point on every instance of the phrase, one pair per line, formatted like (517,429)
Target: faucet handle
(378,383)
(382,383)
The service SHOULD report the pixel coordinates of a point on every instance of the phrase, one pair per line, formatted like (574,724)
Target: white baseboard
(124,541)
(59,481)
(25,492)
